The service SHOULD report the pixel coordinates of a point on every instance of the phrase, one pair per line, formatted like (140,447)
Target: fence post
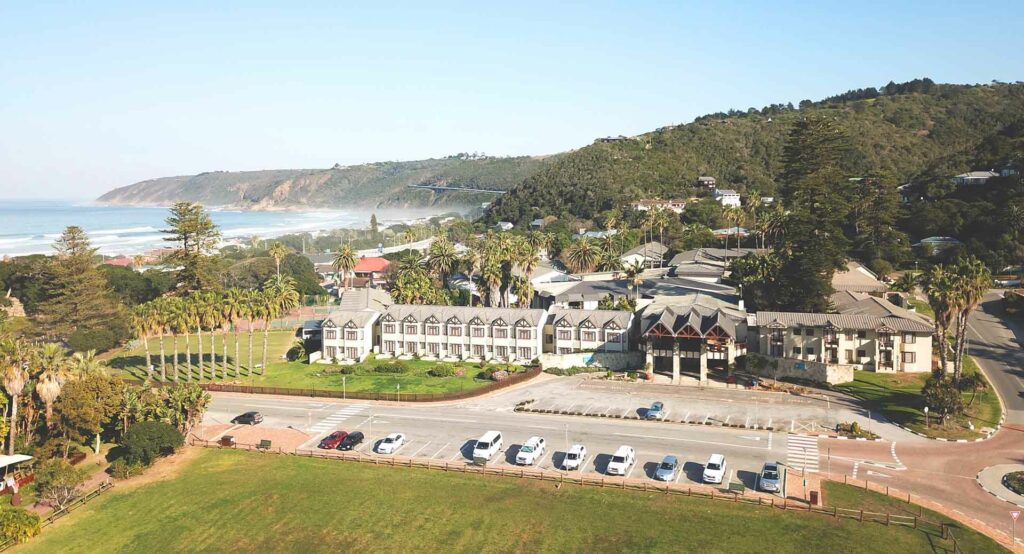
(887,516)
(915,522)
(862,516)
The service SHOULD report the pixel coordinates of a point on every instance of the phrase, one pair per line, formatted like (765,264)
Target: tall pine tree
(196,236)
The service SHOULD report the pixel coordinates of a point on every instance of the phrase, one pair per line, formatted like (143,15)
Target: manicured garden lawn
(922,307)
(231,501)
(897,396)
(298,374)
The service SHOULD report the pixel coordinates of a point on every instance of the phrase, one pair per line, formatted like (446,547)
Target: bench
(263,445)
(738,488)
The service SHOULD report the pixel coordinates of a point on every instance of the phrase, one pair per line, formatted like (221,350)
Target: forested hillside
(385,184)
(901,130)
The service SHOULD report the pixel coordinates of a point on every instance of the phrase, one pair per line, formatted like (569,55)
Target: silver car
(770,479)
(668,469)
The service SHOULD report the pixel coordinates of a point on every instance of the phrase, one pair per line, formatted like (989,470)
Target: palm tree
(277,251)
(442,258)
(972,282)
(905,282)
(86,363)
(196,308)
(177,323)
(661,220)
(582,255)
(938,285)
(634,273)
(773,224)
(609,261)
(54,363)
(210,317)
(733,216)
(141,323)
(470,262)
(492,277)
(272,302)
(235,308)
(14,356)
(344,261)
(254,312)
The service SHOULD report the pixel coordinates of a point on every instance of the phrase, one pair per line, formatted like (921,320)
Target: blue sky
(98,96)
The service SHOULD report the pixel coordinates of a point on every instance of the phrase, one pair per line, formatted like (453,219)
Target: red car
(333,440)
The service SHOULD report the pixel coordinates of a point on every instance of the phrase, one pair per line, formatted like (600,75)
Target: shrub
(441,370)
(499,375)
(121,469)
(18,524)
(147,441)
(391,367)
(348,370)
(100,340)
(1015,481)
(58,482)
(575,370)
(486,374)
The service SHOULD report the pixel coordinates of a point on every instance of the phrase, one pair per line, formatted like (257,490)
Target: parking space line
(690,440)
(729,480)
(626,411)
(727,418)
(456,455)
(439,450)
(686,419)
(426,418)
(630,472)
(706,418)
(679,475)
(747,422)
(417,453)
(571,406)
(792,424)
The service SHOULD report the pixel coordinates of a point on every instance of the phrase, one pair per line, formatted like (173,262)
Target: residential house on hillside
(692,334)
(728,197)
(596,234)
(974,178)
(505,225)
(937,244)
(369,272)
(731,232)
(706,264)
(572,331)
(648,204)
(706,182)
(323,264)
(651,254)
(1009,169)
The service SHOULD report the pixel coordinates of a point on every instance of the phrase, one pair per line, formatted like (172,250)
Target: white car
(714,470)
(621,461)
(531,451)
(575,457)
(391,443)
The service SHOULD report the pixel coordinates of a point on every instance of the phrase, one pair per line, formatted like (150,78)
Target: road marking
(417,453)
(747,422)
(679,474)
(571,406)
(686,419)
(689,440)
(877,474)
(440,449)
(456,455)
(727,418)
(729,479)
(802,452)
(706,418)
(750,438)
(630,472)
(426,418)
(792,424)
(769,422)
(334,419)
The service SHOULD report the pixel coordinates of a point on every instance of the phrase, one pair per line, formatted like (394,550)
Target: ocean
(30,226)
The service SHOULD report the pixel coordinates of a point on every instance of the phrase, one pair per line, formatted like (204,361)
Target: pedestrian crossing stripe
(802,452)
(337,417)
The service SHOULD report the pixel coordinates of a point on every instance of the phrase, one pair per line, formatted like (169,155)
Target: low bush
(145,442)
(18,525)
(441,370)
(575,370)
(392,367)
(122,469)
(1015,481)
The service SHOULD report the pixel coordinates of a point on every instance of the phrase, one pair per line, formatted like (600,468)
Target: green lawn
(922,307)
(897,396)
(848,496)
(298,374)
(231,501)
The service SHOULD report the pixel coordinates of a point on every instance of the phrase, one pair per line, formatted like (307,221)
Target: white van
(486,447)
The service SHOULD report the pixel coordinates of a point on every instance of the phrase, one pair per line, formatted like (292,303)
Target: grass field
(230,501)
(282,373)
(897,396)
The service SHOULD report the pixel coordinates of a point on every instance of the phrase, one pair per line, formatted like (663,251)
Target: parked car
(333,440)
(248,418)
(621,461)
(531,451)
(351,440)
(770,479)
(575,457)
(391,443)
(656,411)
(668,469)
(714,470)
(486,447)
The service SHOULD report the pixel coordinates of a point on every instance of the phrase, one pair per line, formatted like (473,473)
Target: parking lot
(449,434)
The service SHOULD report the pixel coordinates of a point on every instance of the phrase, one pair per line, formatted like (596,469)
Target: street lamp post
(343,387)
(398,391)
(926,417)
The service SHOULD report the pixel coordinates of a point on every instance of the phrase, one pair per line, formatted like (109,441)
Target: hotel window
(455,331)
(433,348)
(909,357)
(501,332)
(862,334)
(565,350)
(352,353)
(849,356)
(478,350)
(330,334)
(564,334)
(501,351)
(351,335)
(389,346)
(796,350)
(862,353)
(589,335)
(330,352)
(809,350)
(523,333)
(848,335)
(796,332)
(809,332)
(524,353)
(478,331)
(613,336)
(389,328)
(433,330)
(410,348)
(410,329)
(909,338)
(456,350)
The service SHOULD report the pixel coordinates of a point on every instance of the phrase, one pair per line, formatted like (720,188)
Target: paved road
(996,343)
(448,433)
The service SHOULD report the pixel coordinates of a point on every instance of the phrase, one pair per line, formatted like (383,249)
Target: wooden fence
(936,529)
(57,514)
(513,379)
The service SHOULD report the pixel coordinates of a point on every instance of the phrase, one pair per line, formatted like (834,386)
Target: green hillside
(385,184)
(902,130)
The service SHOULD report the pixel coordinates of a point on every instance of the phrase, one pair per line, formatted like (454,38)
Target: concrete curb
(523,409)
(977,479)
(839,437)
